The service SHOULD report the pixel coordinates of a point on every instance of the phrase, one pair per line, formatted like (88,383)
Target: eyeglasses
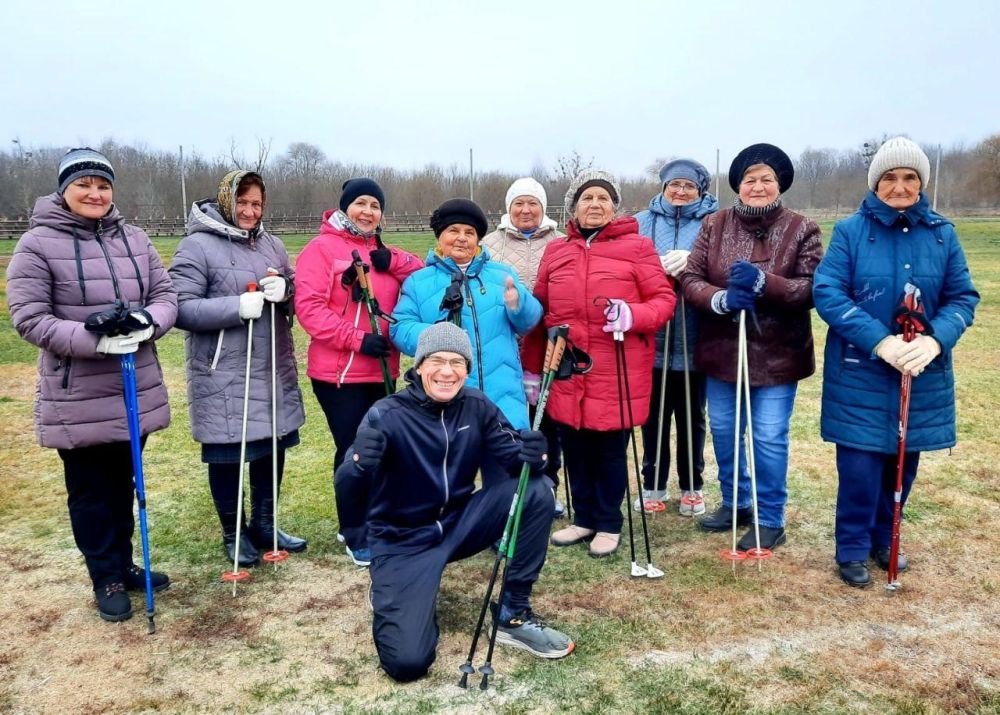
(456,364)
(684,186)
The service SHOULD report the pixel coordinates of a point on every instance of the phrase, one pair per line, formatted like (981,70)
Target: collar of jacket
(619,226)
(760,225)
(206,217)
(886,215)
(449,266)
(546,226)
(415,392)
(50,211)
(699,208)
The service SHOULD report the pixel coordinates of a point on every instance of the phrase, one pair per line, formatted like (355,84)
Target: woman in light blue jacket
(672,222)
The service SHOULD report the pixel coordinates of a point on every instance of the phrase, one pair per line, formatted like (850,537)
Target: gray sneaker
(526,631)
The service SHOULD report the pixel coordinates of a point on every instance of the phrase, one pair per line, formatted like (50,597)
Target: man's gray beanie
(443,337)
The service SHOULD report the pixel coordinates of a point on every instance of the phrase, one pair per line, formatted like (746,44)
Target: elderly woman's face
(249,207)
(526,213)
(680,192)
(89,196)
(594,208)
(459,242)
(759,186)
(365,212)
(899,188)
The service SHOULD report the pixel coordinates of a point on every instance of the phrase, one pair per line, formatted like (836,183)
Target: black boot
(855,573)
(135,579)
(769,538)
(249,556)
(113,602)
(262,523)
(881,556)
(722,519)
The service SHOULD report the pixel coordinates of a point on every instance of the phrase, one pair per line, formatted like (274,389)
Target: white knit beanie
(897,153)
(525,187)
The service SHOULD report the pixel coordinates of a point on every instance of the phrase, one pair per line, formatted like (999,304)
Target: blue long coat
(857,287)
(492,327)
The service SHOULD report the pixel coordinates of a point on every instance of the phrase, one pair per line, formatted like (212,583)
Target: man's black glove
(380,259)
(534,446)
(375,346)
(369,446)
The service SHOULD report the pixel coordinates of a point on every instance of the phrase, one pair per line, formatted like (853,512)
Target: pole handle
(252,287)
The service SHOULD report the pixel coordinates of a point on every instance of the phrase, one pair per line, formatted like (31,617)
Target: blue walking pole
(135,441)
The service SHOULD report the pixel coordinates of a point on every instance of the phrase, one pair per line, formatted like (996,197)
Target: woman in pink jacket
(344,354)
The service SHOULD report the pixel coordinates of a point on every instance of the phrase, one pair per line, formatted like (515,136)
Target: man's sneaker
(113,602)
(135,580)
(651,495)
(692,502)
(722,518)
(361,557)
(526,631)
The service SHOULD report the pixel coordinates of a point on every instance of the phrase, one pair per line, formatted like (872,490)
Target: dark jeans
(674,407)
(867,483)
(405,585)
(345,407)
(100,492)
(597,468)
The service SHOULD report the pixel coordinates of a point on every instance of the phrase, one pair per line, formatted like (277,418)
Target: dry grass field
(789,639)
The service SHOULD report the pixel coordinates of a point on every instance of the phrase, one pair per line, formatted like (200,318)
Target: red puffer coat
(575,272)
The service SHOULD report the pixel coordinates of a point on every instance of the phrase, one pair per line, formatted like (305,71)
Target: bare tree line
(303,181)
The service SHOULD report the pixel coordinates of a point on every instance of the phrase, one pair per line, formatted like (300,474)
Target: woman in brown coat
(760,257)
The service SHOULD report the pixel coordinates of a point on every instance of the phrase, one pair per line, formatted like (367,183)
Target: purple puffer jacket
(63,269)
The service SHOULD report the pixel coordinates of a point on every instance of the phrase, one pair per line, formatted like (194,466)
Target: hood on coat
(921,212)
(700,208)
(205,217)
(544,227)
(50,211)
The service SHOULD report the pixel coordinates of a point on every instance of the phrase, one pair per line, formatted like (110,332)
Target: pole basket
(234,576)
(758,553)
(653,506)
(273,557)
(733,555)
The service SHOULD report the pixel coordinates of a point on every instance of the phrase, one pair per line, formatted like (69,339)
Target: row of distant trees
(304,181)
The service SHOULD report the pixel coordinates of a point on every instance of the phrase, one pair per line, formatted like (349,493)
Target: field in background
(790,639)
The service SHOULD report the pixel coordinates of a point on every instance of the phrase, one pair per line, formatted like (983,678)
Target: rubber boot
(249,556)
(262,521)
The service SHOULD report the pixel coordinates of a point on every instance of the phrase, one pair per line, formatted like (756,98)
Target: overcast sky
(411,83)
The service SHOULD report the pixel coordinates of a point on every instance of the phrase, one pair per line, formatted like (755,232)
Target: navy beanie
(762,154)
(455,211)
(353,188)
(83,162)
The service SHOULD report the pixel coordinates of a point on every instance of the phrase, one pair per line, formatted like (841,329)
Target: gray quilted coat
(211,267)
(63,269)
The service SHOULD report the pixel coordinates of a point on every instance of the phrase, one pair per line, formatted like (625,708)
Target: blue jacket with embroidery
(857,288)
(492,327)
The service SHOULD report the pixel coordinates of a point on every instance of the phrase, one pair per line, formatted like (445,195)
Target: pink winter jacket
(335,323)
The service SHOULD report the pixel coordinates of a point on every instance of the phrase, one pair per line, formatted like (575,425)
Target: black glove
(369,446)
(534,446)
(137,320)
(380,259)
(349,279)
(375,346)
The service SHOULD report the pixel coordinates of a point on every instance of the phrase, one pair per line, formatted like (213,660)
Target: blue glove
(738,299)
(748,277)
(534,446)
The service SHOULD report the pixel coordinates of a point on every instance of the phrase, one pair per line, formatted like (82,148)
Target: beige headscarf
(229,188)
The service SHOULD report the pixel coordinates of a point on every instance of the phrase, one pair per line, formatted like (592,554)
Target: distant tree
(569,165)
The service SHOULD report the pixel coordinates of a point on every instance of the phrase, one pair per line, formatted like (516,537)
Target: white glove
(918,354)
(889,349)
(119,344)
(675,262)
(251,305)
(144,334)
(274,287)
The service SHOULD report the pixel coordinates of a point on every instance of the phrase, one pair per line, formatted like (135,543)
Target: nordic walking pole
(687,397)
(236,574)
(733,554)
(275,554)
(659,421)
(373,312)
(553,354)
(135,442)
(637,570)
(757,552)
(650,570)
(569,502)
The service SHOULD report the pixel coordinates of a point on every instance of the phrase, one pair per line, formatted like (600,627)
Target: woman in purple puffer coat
(78,258)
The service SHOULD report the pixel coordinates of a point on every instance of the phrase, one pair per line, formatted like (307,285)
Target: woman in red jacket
(603,263)
(344,354)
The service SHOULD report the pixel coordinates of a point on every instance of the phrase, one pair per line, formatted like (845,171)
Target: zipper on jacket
(475,329)
(218,350)
(444,462)
(64,364)
(79,268)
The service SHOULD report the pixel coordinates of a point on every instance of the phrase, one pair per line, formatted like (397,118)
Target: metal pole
(937,176)
(716,172)
(184,196)
(470,175)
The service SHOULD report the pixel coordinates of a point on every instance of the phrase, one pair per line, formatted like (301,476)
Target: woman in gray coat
(78,258)
(225,249)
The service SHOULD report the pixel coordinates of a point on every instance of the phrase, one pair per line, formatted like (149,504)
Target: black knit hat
(353,188)
(83,161)
(762,154)
(455,211)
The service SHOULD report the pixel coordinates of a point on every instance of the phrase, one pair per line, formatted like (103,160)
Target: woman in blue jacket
(462,285)
(893,241)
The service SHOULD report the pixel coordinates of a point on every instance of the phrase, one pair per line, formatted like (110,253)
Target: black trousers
(405,584)
(345,407)
(224,481)
(597,467)
(674,408)
(100,493)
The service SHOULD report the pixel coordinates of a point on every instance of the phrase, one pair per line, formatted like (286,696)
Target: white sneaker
(692,503)
(650,495)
